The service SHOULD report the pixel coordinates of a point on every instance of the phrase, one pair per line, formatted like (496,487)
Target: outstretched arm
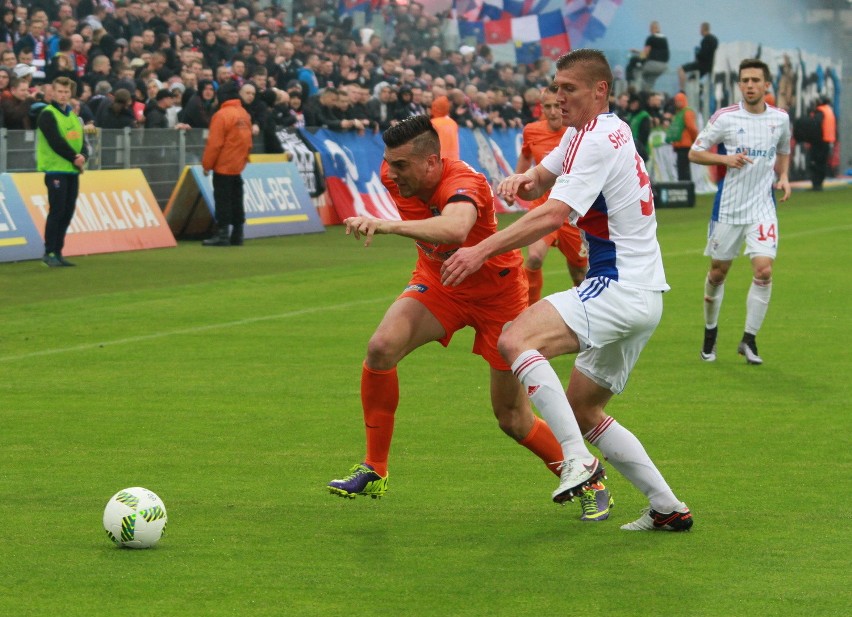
(529,185)
(451,227)
(533,225)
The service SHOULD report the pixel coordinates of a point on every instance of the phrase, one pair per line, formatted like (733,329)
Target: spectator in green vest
(681,134)
(61,153)
(640,124)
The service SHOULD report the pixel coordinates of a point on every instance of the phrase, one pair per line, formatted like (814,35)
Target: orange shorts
(486,313)
(570,242)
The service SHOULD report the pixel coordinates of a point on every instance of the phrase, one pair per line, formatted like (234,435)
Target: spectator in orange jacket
(821,150)
(226,154)
(448,130)
(681,135)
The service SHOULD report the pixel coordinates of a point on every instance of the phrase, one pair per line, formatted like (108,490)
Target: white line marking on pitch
(216,326)
(334,307)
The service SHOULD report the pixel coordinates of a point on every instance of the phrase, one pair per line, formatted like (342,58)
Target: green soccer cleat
(362,480)
(596,502)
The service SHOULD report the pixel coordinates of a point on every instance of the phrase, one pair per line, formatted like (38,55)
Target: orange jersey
(539,140)
(459,182)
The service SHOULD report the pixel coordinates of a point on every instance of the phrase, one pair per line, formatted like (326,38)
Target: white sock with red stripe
(757,303)
(713,295)
(545,391)
(624,451)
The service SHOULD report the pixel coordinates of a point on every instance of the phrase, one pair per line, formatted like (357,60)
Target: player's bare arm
(524,163)
(735,161)
(532,226)
(529,185)
(782,166)
(451,227)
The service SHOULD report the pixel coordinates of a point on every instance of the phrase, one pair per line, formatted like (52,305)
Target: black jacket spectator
(198,109)
(116,114)
(16,113)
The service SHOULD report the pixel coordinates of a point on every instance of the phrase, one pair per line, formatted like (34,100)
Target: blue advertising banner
(275,199)
(494,155)
(19,238)
(352,165)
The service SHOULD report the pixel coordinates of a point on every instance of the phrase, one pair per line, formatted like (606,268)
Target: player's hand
(363,226)
(461,265)
(783,184)
(511,186)
(738,161)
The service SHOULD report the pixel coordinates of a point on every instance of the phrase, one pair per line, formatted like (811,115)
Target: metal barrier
(161,154)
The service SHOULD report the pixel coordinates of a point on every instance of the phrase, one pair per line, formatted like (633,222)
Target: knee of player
(763,274)
(507,345)
(381,352)
(717,275)
(534,262)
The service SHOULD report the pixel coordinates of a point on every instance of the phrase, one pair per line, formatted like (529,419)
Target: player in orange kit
(443,205)
(539,139)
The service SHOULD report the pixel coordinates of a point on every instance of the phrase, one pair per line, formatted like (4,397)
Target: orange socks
(536,281)
(542,442)
(379,398)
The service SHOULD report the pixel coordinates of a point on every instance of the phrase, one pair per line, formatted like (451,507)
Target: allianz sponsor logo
(755,153)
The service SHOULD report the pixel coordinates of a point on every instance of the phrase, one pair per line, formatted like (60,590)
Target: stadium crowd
(159,64)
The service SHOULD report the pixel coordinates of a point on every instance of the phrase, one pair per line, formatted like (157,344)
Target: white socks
(616,443)
(545,391)
(713,295)
(621,448)
(757,303)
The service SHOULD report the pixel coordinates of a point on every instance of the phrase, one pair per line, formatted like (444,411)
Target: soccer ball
(135,517)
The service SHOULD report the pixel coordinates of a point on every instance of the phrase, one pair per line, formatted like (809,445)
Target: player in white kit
(598,181)
(754,145)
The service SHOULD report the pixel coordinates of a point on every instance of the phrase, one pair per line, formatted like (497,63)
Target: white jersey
(603,179)
(745,195)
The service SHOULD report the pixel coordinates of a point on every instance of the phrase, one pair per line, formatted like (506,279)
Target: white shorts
(725,239)
(613,323)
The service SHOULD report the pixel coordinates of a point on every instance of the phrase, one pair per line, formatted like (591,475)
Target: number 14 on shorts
(767,232)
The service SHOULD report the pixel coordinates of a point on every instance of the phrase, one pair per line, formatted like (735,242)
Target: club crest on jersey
(416,287)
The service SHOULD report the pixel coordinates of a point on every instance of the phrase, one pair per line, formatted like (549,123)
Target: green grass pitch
(227,381)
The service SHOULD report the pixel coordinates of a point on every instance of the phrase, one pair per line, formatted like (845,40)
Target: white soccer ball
(135,517)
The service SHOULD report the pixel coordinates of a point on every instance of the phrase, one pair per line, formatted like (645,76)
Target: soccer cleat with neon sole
(651,520)
(596,502)
(362,480)
(576,477)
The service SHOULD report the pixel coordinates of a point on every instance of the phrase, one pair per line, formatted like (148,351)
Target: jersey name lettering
(620,137)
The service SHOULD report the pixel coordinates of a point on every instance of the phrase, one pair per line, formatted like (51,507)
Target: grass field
(227,380)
